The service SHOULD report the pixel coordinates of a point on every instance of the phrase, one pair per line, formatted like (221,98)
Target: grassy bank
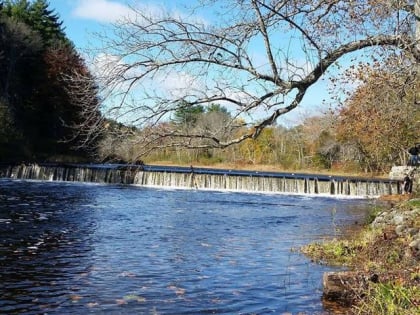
(385,257)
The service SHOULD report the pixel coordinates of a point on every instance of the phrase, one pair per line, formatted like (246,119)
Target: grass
(390,299)
(373,212)
(381,252)
(342,252)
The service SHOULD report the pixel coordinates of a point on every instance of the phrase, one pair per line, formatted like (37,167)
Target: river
(78,248)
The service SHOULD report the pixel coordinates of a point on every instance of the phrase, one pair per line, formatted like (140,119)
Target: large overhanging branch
(164,65)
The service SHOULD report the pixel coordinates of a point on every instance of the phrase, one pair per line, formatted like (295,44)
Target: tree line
(258,59)
(37,108)
(370,132)
(50,102)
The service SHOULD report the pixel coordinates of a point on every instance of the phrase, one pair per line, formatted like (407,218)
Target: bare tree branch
(258,62)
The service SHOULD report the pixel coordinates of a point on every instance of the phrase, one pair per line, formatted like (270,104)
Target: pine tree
(35,57)
(46,22)
(38,17)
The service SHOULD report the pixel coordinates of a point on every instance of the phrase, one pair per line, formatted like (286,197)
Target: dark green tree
(188,114)
(20,51)
(36,97)
(217,108)
(18,9)
(37,15)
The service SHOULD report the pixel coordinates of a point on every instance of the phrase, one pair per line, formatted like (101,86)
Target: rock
(398,219)
(397,223)
(414,247)
(401,220)
(398,172)
(400,229)
(412,231)
(345,287)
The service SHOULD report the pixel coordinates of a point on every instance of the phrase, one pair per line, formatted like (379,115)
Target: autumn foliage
(381,118)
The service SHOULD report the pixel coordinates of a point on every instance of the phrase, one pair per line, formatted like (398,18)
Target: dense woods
(37,112)
(52,106)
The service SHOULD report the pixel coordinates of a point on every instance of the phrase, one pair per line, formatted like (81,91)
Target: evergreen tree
(188,114)
(46,22)
(17,9)
(20,52)
(35,57)
(37,15)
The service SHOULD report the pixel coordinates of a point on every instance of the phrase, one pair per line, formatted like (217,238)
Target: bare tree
(258,58)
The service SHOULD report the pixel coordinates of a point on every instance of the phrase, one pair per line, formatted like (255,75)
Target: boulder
(345,287)
(399,172)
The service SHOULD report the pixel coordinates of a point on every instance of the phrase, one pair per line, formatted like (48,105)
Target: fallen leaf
(121,301)
(133,297)
(92,304)
(75,298)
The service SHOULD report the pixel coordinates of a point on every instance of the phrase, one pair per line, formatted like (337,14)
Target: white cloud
(179,84)
(106,66)
(101,10)
(110,11)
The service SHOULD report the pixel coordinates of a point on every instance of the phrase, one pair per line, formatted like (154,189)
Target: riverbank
(383,261)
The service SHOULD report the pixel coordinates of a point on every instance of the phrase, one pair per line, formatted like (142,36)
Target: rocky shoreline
(404,221)
(384,255)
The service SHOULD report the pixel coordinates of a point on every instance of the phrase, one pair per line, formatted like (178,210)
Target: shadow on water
(78,248)
(45,241)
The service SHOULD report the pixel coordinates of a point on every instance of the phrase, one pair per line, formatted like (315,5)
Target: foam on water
(206,179)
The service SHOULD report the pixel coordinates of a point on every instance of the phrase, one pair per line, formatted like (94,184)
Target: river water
(74,248)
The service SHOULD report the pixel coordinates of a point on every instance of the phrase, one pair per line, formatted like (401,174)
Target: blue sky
(82,18)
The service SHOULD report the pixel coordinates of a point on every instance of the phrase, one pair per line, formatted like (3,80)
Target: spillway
(204,178)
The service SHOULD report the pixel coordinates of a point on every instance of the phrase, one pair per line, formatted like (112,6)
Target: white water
(310,185)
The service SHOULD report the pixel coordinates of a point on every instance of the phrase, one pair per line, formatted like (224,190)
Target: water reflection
(70,248)
(45,243)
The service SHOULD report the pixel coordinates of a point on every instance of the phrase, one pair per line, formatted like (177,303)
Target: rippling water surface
(102,249)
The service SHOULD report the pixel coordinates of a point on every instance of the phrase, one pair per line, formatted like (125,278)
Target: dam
(205,178)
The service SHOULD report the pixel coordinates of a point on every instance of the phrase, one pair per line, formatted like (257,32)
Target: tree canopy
(39,17)
(257,58)
(381,119)
(37,105)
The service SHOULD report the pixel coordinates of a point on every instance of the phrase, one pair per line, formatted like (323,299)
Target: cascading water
(201,178)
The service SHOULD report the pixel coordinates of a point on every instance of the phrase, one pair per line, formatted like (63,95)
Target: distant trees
(187,115)
(37,107)
(370,132)
(241,54)
(129,143)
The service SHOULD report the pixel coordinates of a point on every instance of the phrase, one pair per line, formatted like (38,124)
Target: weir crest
(204,178)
